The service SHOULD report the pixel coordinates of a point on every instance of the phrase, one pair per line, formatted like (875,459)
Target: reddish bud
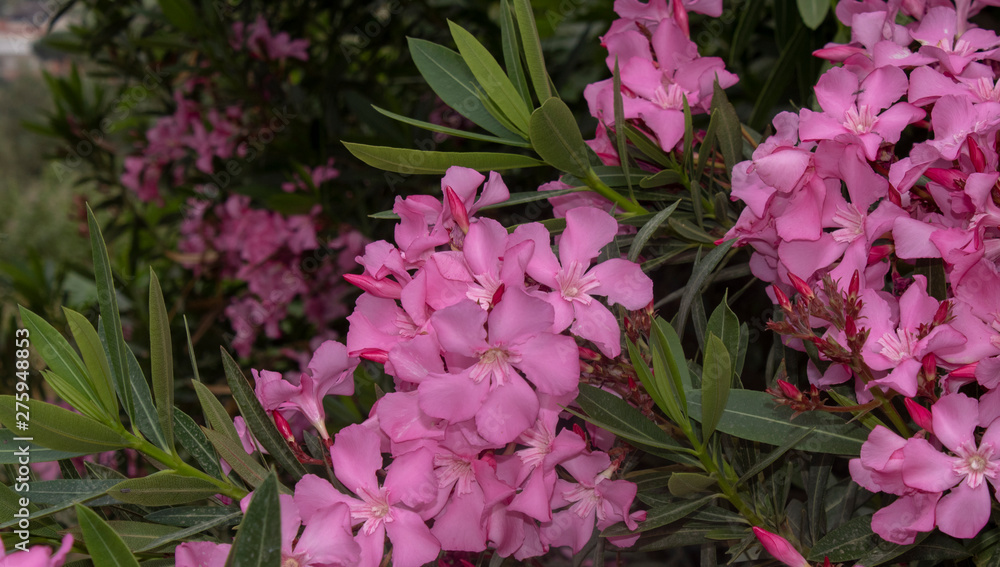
(384,288)
(458,210)
(801,286)
(283,428)
(855,286)
(681,17)
(943,310)
(782,298)
(850,328)
(780,548)
(587,354)
(966,372)
(579,431)
(920,415)
(878,253)
(976,155)
(632,385)
(373,354)
(789,390)
(929,365)
(497,295)
(948,178)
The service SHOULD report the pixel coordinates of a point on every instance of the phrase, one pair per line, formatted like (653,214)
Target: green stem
(724,482)
(610,194)
(184,469)
(890,410)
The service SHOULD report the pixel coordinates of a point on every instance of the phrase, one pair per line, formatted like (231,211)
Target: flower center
(574,285)
(976,464)
(586,501)
(539,441)
(454,469)
(852,222)
(669,97)
(296,560)
(484,290)
(494,363)
(897,346)
(859,119)
(373,509)
(986,90)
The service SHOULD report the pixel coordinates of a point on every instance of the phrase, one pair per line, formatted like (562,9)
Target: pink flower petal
(356,457)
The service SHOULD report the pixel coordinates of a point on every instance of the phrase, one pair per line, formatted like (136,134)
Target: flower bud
(850,327)
(801,286)
(948,178)
(681,17)
(384,288)
(920,415)
(283,428)
(458,210)
(855,286)
(976,155)
(878,253)
(789,390)
(965,372)
(779,548)
(943,311)
(782,298)
(373,354)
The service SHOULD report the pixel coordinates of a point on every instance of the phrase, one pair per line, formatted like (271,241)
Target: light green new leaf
(452,80)
(107,297)
(163,488)
(673,379)
(417,162)
(813,12)
(556,137)
(215,413)
(56,428)
(491,77)
(105,547)
(652,387)
(257,420)
(99,373)
(161,359)
(716,378)
(258,543)
(533,50)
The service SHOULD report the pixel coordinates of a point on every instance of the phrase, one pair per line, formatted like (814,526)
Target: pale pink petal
(507,411)
(598,325)
(313,494)
(955,418)
(412,542)
(623,282)
(328,538)
(356,457)
(928,469)
(459,526)
(587,232)
(410,479)
(551,362)
(452,397)
(460,328)
(900,521)
(517,317)
(964,511)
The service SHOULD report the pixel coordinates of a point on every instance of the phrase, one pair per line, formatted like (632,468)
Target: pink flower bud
(943,310)
(920,415)
(878,253)
(948,178)
(681,17)
(850,328)
(855,286)
(929,364)
(789,390)
(458,210)
(384,288)
(779,548)
(965,372)
(782,298)
(801,286)
(976,155)
(283,428)
(373,354)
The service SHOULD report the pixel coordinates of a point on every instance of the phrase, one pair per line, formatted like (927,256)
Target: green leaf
(257,420)
(782,72)
(752,415)
(724,324)
(216,415)
(190,437)
(187,516)
(512,52)
(258,543)
(933,270)
(652,387)
(56,428)
(648,229)
(813,12)
(417,162)
(615,415)
(661,178)
(774,456)
(452,80)
(192,530)
(729,133)
(72,381)
(146,418)
(846,543)
(450,131)
(182,14)
(621,141)
(107,296)
(556,137)
(533,49)
(10,450)
(491,77)
(164,488)
(647,147)
(660,516)
(105,547)
(161,358)
(137,535)
(689,231)
(10,504)
(716,378)
(686,483)
(233,453)
(699,275)
(55,492)
(666,345)
(98,371)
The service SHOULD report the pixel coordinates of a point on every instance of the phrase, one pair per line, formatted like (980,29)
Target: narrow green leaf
(661,178)
(187,516)
(752,415)
(192,530)
(56,428)
(813,12)
(12,451)
(416,162)
(64,362)
(238,459)
(194,363)
(138,535)
(10,504)
(846,543)
(774,455)
(730,132)
(257,420)
(98,371)
(753,12)
(556,137)
(161,357)
(689,231)
(533,49)
(512,52)
(716,378)
(615,415)
(649,148)
(54,492)
(107,297)
(146,419)
(699,276)
(164,488)
(685,483)
(937,281)
(665,341)
(258,543)
(190,437)
(725,325)
(621,141)
(452,80)
(648,229)
(491,77)
(782,72)
(660,516)
(451,131)
(105,546)
(215,413)
(652,387)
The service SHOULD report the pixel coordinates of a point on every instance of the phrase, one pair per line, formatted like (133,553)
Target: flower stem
(601,188)
(183,469)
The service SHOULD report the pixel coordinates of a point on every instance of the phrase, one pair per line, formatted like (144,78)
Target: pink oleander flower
(390,508)
(201,554)
(326,541)
(264,45)
(780,548)
(38,555)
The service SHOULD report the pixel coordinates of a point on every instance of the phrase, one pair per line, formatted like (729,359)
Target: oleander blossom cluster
(478,328)
(836,212)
